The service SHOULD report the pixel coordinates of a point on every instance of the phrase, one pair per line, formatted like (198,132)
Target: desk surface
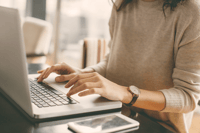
(13,121)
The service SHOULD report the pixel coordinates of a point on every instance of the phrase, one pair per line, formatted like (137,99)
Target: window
(19,4)
(79,19)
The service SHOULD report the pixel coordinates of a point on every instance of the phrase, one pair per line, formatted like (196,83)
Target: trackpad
(57,86)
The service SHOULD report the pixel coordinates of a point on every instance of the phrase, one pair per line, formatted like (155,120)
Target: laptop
(39,101)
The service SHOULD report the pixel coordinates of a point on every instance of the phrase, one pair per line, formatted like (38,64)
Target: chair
(93,50)
(37,37)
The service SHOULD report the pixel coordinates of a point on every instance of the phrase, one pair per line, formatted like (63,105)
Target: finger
(87,70)
(50,70)
(40,71)
(90,91)
(78,77)
(40,78)
(88,85)
(83,81)
(63,78)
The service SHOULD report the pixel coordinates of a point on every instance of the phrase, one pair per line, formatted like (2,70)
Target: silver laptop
(38,100)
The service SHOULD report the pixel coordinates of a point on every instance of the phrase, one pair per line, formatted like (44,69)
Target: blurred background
(72,21)
(53,30)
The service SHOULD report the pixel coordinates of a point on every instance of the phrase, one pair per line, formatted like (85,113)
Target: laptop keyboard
(43,95)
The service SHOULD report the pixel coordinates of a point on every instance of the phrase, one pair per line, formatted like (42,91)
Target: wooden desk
(13,121)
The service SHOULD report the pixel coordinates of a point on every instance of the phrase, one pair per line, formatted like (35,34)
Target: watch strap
(134,98)
(132,101)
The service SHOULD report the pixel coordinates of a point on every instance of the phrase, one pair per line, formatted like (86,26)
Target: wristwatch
(135,93)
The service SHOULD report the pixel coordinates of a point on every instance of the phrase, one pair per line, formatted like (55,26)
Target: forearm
(151,100)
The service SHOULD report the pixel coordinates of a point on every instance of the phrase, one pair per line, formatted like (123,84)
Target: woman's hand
(94,83)
(62,69)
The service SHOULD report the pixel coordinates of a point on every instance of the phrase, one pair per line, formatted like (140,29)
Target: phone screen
(100,124)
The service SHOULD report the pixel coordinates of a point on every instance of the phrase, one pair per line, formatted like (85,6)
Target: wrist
(127,96)
(135,94)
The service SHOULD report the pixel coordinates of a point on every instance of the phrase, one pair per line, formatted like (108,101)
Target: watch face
(135,90)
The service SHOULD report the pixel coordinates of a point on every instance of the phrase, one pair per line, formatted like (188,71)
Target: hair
(167,3)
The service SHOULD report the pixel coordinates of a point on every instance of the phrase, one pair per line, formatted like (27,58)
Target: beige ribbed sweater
(157,53)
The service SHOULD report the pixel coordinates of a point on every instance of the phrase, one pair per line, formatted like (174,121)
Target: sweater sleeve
(101,66)
(184,96)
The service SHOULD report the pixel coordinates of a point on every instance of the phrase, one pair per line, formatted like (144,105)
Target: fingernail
(66,86)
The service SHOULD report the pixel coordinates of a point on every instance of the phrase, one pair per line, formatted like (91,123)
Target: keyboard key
(65,102)
(53,99)
(59,98)
(39,106)
(42,96)
(44,93)
(40,100)
(39,94)
(45,98)
(62,100)
(36,98)
(45,105)
(36,103)
(57,103)
(52,104)
(47,101)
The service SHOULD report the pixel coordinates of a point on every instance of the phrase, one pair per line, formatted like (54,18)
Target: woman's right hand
(62,69)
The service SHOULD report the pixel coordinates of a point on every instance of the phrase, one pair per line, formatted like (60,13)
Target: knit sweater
(157,53)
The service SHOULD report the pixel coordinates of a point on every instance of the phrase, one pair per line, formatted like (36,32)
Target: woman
(154,49)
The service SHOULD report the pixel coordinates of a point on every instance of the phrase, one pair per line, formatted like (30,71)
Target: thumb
(64,78)
(87,70)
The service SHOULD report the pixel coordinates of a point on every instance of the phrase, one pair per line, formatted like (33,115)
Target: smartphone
(109,123)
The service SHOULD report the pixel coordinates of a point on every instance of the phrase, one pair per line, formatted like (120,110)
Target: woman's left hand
(94,83)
